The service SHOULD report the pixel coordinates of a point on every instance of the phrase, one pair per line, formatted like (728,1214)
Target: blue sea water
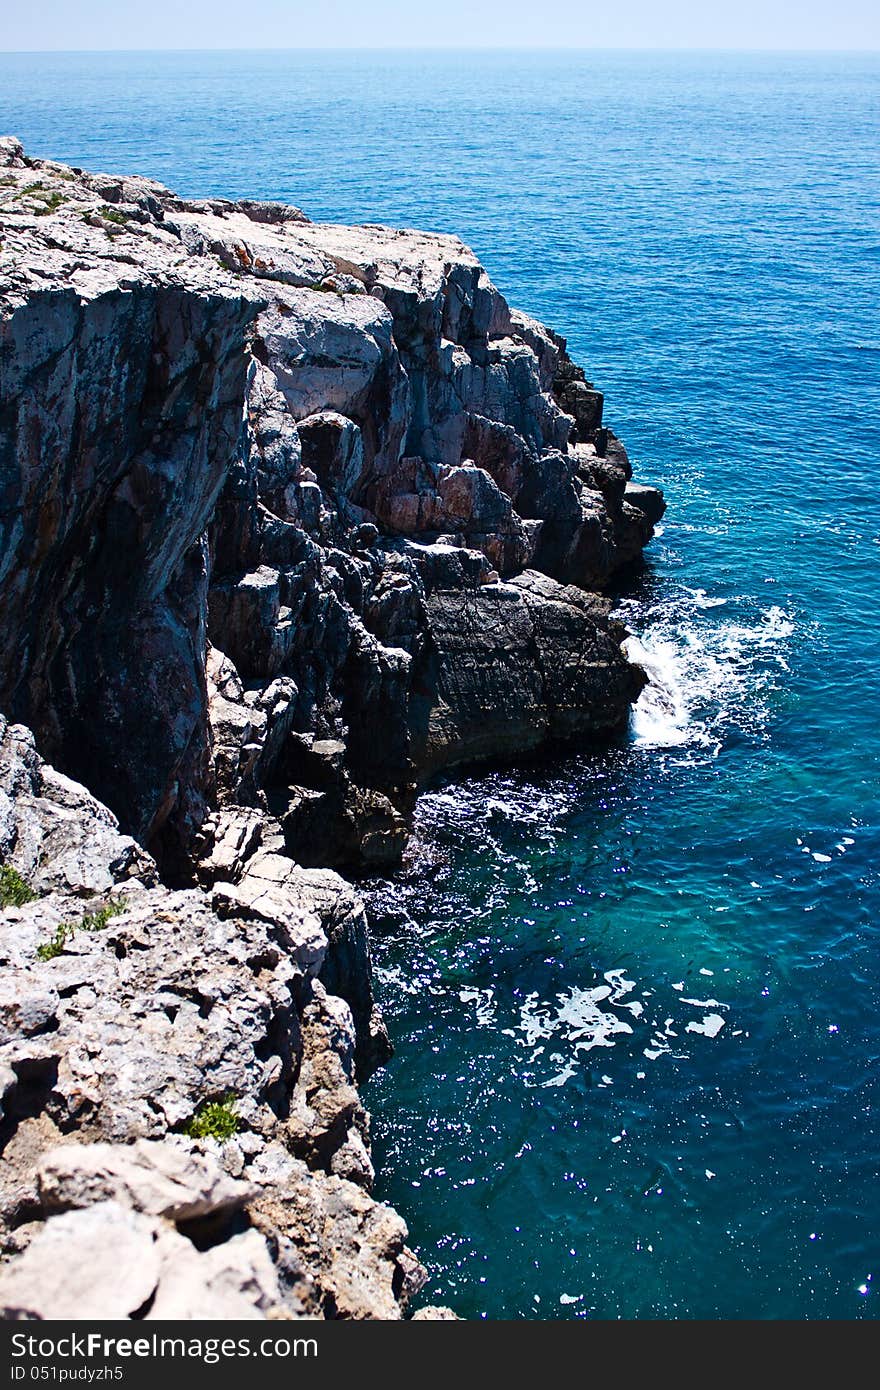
(636,999)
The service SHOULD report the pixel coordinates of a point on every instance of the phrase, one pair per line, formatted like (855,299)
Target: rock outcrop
(181,1131)
(292,516)
(251,469)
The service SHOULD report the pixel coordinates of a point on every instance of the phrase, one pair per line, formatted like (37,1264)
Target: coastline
(297,515)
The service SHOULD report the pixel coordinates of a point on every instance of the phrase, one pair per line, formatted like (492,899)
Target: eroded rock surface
(291,517)
(118,1028)
(250,469)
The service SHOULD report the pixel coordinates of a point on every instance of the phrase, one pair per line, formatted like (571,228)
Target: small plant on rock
(51,202)
(90,921)
(97,920)
(14,891)
(216,1119)
(48,950)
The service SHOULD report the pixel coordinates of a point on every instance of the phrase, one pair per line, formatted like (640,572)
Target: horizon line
(440,48)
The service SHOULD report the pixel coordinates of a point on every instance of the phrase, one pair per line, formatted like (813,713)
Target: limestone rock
(233,1280)
(291,516)
(160,1179)
(648,500)
(354,1247)
(230,415)
(98,1263)
(545,653)
(53,831)
(116,1039)
(107,1261)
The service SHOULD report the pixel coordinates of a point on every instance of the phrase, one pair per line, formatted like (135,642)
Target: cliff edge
(292,516)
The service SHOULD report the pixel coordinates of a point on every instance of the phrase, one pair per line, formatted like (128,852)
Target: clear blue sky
(151,24)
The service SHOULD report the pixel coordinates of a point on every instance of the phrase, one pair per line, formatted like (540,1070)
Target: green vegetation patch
(48,950)
(90,921)
(51,203)
(325,289)
(14,891)
(49,200)
(216,1119)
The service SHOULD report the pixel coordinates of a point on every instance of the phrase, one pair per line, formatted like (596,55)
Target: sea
(634,991)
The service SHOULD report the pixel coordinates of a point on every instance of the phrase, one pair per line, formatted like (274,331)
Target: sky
(164,24)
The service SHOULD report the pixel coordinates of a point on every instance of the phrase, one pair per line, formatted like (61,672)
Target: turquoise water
(635,996)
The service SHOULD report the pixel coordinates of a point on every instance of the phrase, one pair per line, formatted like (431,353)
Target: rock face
(251,468)
(291,517)
(126,1009)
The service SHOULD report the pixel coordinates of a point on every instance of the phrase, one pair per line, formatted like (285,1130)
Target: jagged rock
(236,1279)
(218,408)
(228,840)
(336,352)
(11,152)
(270,884)
(347,967)
(325,1106)
(53,831)
(290,517)
(435,1314)
(123,387)
(333,448)
(108,1261)
(352,1161)
(354,1247)
(159,1179)
(346,826)
(648,500)
(157,1012)
(422,499)
(121,1034)
(262,895)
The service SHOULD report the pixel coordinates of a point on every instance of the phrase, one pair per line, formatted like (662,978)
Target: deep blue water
(636,999)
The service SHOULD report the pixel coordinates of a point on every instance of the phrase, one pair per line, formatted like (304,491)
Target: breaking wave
(713,664)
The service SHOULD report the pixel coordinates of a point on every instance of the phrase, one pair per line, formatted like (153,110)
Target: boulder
(521,664)
(165,1179)
(234,1280)
(101,1262)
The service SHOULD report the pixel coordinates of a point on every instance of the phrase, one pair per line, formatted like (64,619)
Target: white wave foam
(558,1034)
(703,600)
(660,718)
(711,1026)
(705,671)
(483,1000)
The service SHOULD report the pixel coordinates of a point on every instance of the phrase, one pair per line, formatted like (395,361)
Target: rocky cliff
(291,517)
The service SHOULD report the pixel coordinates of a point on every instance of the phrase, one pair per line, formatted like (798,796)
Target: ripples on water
(634,993)
(616,983)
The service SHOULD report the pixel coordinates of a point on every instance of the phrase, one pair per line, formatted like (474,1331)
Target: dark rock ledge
(291,517)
